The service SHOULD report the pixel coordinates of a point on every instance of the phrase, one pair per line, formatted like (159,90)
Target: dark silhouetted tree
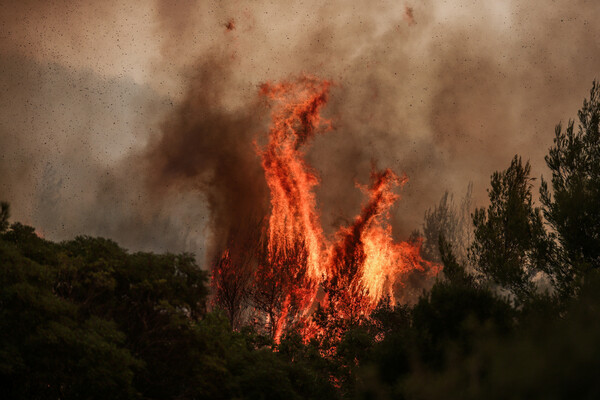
(4,216)
(572,205)
(510,244)
(49,349)
(233,272)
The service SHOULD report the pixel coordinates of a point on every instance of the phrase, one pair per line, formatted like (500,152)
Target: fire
(298,267)
(370,241)
(294,122)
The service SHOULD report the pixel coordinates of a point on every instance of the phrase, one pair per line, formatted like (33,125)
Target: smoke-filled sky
(139,121)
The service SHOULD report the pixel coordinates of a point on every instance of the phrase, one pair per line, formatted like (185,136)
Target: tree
(572,207)
(231,286)
(233,272)
(144,305)
(553,358)
(4,215)
(281,287)
(510,244)
(86,319)
(48,348)
(457,314)
(439,220)
(453,270)
(453,222)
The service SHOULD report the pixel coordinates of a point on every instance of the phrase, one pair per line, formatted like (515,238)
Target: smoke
(137,122)
(208,147)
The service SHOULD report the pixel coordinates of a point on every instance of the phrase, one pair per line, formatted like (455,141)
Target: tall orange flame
(293,215)
(362,265)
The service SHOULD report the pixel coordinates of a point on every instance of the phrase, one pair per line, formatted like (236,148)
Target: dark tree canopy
(4,215)
(510,244)
(572,201)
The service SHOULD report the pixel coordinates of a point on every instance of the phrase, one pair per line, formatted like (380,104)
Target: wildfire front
(295,268)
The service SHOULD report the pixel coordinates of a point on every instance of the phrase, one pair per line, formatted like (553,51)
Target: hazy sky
(135,120)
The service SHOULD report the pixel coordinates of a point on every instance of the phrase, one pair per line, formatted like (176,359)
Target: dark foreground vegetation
(516,314)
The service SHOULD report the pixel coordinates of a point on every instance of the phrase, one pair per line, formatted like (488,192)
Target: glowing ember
(230,25)
(298,268)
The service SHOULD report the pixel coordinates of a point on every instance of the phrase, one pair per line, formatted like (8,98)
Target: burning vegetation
(292,268)
(319,316)
(135,123)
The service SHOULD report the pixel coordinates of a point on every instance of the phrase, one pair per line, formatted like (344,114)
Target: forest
(513,314)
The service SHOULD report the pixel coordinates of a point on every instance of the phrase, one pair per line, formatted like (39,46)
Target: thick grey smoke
(207,147)
(137,122)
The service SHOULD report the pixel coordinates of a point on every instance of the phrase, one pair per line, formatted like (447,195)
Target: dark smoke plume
(136,122)
(205,146)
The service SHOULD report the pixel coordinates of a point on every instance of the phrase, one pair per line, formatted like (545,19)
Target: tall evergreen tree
(510,244)
(572,204)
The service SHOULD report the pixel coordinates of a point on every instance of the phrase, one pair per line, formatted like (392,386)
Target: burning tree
(365,264)
(360,261)
(281,288)
(230,281)
(294,218)
(234,270)
(297,269)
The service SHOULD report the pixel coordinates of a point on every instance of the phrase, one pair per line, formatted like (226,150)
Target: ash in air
(134,123)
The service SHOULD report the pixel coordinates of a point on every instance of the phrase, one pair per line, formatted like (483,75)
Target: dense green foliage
(516,318)
(510,244)
(85,319)
(572,205)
